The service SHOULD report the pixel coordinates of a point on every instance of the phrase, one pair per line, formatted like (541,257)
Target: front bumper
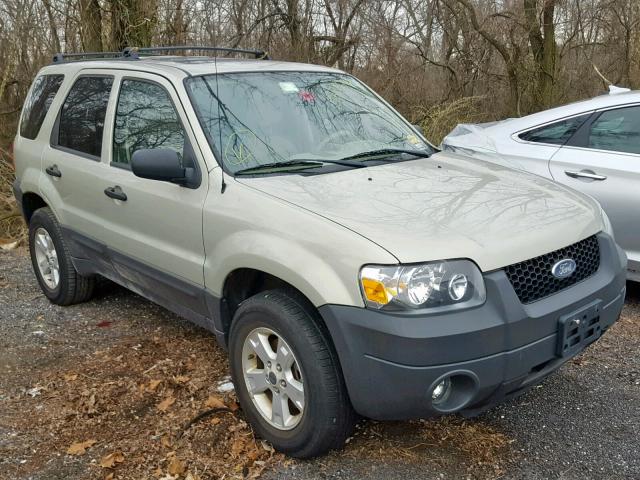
(391,361)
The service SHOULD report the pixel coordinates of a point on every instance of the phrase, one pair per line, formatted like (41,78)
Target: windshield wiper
(296,163)
(389,151)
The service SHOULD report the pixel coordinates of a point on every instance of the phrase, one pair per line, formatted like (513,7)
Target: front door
(603,160)
(154,228)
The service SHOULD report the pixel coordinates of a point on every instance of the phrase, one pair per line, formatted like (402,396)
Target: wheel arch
(30,203)
(243,283)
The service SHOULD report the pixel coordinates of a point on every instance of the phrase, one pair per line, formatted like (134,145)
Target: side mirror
(161,164)
(419,129)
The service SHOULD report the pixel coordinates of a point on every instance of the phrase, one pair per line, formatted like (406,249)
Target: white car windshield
(266,118)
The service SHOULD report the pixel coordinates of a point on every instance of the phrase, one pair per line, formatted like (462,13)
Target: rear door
(603,160)
(155,229)
(73,176)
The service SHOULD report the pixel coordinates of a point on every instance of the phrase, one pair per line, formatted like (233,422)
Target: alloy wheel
(46,258)
(273,378)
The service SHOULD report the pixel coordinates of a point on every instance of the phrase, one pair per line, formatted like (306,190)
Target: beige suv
(347,265)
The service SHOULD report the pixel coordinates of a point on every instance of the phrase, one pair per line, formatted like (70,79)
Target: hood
(443,207)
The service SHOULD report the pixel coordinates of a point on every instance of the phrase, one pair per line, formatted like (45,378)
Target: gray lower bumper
(391,361)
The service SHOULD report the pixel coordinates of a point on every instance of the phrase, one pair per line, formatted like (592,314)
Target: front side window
(271,117)
(37,105)
(82,115)
(145,119)
(617,130)
(557,133)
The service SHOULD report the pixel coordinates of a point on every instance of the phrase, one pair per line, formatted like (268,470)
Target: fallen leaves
(166,441)
(153,384)
(80,448)
(176,466)
(109,461)
(214,402)
(138,401)
(4,245)
(164,405)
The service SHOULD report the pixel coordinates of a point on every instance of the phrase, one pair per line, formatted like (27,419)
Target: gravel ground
(104,371)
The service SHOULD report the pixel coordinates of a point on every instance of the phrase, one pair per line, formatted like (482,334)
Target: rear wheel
(287,375)
(52,264)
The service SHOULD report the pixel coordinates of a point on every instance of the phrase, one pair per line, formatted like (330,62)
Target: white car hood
(446,206)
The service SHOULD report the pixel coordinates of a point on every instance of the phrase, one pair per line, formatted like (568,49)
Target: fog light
(441,391)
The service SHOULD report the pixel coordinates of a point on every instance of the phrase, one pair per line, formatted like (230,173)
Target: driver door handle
(53,170)
(116,193)
(583,174)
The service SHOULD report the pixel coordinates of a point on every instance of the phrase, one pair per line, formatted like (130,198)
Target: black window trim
(55,131)
(49,110)
(516,135)
(188,147)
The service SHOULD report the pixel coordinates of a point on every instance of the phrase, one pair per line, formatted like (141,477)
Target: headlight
(451,283)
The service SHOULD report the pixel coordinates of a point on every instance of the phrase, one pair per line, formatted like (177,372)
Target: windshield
(275,117)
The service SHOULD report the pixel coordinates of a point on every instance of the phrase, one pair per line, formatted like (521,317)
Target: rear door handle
(115,192)
(585,174)
(54,171)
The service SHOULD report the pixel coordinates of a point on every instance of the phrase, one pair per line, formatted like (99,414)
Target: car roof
(181,66)
(569,110)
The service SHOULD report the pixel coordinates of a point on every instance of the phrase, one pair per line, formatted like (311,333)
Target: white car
(592,146)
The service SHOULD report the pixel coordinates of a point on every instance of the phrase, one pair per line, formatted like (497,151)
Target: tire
(70,287)
(327,418)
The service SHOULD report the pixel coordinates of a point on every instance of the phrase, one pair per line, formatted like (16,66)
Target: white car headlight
(451,283)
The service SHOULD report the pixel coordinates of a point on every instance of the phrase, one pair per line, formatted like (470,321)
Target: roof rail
(63,57)
(133,53)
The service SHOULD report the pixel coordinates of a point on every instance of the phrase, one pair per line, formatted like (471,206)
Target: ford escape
(347,265)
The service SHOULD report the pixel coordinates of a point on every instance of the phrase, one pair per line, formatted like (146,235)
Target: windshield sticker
(236,151)
(306,96)
(413,140)
(288,87)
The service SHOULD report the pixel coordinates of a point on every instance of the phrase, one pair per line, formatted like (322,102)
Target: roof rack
(62,57)
(134,53)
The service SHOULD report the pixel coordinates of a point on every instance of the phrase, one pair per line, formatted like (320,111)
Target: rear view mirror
(161,164)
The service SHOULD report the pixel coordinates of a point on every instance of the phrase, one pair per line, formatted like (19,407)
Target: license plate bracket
(578,329)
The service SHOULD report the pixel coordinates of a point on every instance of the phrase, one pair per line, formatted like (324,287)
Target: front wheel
(287,375)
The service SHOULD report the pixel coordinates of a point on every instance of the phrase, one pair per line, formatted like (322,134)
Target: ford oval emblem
(564,268)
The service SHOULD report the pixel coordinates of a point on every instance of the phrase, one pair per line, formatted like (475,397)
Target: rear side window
(37,105)
(557,133)
(82,115)
(145,119)
(617,130)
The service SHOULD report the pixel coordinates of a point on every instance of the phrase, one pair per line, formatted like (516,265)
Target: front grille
(532,279)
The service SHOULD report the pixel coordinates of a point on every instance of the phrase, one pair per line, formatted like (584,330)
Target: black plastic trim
(187,299)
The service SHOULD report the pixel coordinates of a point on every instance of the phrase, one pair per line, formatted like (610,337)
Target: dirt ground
(119,388)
